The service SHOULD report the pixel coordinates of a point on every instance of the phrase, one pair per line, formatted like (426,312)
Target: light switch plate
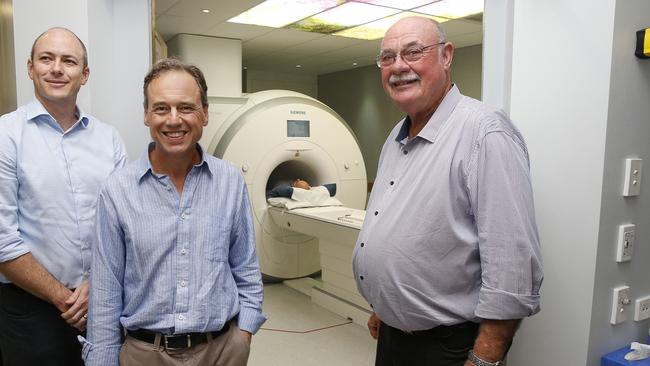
(620,300)
(625,242)
(633,171)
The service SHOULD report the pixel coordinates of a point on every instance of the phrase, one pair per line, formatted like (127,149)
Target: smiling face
(57,68)
(175,116)
(417,87)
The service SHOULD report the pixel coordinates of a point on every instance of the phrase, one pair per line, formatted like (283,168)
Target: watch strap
(479,361)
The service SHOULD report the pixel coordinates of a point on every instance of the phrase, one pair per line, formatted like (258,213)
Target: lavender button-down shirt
(450,233)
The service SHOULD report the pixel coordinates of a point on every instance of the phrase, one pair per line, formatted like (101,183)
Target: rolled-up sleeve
(245,267)
(509,249)
(106,287)
(11,243)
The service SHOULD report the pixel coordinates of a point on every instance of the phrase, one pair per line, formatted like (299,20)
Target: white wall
(559,100)
(218,58)
(117,34)
(258,80)
(581,100)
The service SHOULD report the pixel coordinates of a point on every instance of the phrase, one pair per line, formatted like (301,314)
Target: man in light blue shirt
(174,261)
(53,158)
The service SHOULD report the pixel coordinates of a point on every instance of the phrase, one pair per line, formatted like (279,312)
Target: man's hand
(373,325)
(75,316)
(248,336)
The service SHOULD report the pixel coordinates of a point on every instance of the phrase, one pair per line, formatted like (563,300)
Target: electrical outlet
(625,245)
(620,299)
(633,172)
(642,308)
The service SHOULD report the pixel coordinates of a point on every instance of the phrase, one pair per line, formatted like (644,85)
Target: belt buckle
(166,338)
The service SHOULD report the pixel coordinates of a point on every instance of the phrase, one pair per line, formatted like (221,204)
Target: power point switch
(620,300)
(633,171)
(642,308)
(625,242)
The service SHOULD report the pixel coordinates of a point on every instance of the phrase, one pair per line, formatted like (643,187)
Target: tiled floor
(344,345)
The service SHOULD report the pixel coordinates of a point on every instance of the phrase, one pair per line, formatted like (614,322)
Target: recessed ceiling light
(397,4)
(354,64)
(362,19)
(298,66)
(343,16)
(377,29)
(205,11)
(278,13)
(452,9)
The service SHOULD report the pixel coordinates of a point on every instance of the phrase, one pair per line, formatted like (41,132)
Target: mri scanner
(277,136)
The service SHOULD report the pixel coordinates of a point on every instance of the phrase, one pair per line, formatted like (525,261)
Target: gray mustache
(403,78)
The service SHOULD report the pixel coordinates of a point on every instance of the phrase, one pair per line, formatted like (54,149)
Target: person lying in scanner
(301,190)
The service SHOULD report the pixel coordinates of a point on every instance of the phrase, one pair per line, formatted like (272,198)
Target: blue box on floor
(616,358)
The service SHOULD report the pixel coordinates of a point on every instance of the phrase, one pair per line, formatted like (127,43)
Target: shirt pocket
(216,238)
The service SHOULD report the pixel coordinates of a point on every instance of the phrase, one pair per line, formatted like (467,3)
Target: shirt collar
(442,113)
(143,164)
(36,111)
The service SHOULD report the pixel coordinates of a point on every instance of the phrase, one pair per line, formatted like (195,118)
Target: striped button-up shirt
(450,233)
(49,179)
(169,262)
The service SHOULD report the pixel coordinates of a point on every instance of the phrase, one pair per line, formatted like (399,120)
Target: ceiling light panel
(344,16)
(279,13)
(452,9)
(378,28)
(397,4)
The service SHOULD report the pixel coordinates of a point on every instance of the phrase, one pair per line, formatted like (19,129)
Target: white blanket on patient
(315,197)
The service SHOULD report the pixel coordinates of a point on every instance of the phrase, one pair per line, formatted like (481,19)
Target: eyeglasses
(409,54)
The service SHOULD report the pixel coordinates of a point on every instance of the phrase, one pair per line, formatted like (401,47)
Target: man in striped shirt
(174,261)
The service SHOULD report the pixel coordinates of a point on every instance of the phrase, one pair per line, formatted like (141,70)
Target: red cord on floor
(305,331)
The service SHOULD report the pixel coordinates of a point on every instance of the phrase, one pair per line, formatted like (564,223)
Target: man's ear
(85,74)
(30,68)
(447,55)
(205,113)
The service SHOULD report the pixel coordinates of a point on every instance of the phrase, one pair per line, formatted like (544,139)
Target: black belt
(186,340)
(441,330)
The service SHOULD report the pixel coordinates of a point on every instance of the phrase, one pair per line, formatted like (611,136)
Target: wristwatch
(480,362)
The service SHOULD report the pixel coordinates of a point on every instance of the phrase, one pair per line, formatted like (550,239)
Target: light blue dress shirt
(172,263)
(49,180)
(450,233)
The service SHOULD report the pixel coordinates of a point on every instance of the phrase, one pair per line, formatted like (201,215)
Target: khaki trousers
(229,349)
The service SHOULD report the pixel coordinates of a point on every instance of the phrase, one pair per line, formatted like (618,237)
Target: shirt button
(169,188)
(361,277)
(406,152)
(362,245)
(392,182)
(183,216)
(183,251)
(181,317)
(376,213)
(183,283)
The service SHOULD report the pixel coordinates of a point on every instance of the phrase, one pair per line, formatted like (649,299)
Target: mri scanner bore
(275,136)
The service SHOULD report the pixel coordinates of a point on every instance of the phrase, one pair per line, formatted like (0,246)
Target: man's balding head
(83,46)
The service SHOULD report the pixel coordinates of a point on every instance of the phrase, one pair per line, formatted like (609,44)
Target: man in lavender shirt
(448,257)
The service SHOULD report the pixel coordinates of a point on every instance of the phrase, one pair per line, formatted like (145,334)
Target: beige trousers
(229,349)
